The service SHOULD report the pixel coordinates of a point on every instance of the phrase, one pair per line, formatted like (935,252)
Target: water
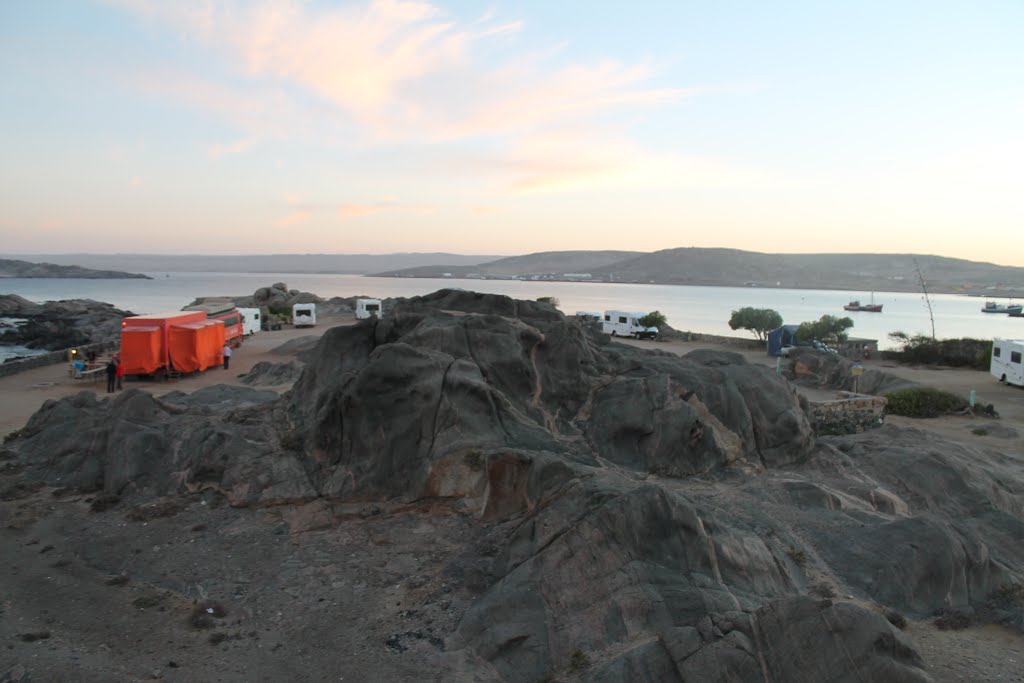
(695,309)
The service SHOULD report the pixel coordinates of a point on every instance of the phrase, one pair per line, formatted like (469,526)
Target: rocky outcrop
(636,515)
(56,325)
(830,370)
(25,269)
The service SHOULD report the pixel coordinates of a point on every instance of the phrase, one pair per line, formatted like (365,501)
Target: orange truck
(161,343)
(228,314)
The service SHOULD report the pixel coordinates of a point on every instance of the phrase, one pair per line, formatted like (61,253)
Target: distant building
(576,276)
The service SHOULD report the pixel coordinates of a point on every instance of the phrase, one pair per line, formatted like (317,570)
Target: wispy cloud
(401,68)
(352,211)
(295,218)
(220,151)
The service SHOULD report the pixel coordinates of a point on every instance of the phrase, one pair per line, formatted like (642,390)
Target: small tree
(760,321)
(828,328)
(654,319)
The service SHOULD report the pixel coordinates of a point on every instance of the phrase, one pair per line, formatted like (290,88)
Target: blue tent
(783,336)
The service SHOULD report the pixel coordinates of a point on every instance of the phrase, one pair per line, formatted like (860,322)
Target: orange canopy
(141,349)
(196,346)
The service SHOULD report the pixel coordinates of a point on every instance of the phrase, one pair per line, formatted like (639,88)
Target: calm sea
(696,309)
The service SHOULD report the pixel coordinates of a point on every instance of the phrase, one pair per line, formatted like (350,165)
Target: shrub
(654,319)
(952,620)
(923,402)
(578,661)
(760,321)
(973,353)
(553,300)
(896,619)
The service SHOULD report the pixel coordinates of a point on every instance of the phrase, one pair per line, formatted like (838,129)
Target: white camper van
(1006,361)
(303,315)
(252,320)
(366,308)
(627,324)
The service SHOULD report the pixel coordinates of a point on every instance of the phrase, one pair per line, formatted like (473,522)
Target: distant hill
(354,264)
(13,268)
(733,267)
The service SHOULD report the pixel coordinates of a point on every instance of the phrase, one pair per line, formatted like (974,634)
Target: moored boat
(856,305)
(1011,309)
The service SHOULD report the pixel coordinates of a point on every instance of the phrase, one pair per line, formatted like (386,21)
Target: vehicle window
(608,318)
(1015,356)
(622,318)
(996,351)
(373,307)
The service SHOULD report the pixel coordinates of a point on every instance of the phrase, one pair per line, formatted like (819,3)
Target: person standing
(111,375)
(120,373)
(227,355)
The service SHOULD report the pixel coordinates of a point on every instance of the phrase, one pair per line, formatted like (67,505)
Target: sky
(253,127)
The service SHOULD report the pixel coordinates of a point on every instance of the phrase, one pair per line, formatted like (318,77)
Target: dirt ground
(134,605)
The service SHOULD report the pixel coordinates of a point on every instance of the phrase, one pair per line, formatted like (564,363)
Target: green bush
(972,353)
(923,402)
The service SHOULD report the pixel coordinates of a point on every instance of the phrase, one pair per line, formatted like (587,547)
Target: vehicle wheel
(1003,379)
(613,333)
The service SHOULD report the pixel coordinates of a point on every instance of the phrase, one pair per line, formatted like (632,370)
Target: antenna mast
(927,300)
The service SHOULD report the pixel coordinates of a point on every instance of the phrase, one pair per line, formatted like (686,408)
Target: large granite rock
(57,325)
(640,516)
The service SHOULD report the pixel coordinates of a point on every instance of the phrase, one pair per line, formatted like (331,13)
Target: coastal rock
(57,325)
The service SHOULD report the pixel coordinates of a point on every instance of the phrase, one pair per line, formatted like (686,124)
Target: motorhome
(303,315)
(252,320)
(627,324)
(366,308)
(1006,361)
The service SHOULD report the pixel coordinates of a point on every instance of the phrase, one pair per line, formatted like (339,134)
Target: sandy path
(24,393)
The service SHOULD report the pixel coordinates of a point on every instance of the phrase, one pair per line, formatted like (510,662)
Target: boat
(869,308)
(993,307)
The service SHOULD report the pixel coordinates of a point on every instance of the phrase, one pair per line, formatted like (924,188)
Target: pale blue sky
(262,127)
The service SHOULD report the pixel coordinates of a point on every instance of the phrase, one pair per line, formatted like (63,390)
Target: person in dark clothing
(111,375)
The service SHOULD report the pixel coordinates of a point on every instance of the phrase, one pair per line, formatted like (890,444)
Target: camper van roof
(212,308)
(168,315)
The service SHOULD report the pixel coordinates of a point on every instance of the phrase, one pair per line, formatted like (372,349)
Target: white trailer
(303,315)
(1006,361)
(627,324)
(367,308)
(252,320)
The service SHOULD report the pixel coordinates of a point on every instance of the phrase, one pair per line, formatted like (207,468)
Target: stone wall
(53,357)
(849,413)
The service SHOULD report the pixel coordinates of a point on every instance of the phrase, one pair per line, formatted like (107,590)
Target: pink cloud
(295,218)
(350,211)
(219,151)
(402,68)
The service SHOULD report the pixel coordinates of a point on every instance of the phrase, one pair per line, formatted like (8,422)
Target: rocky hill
(477,488)
(732,267)
(25,269)
(57,325)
